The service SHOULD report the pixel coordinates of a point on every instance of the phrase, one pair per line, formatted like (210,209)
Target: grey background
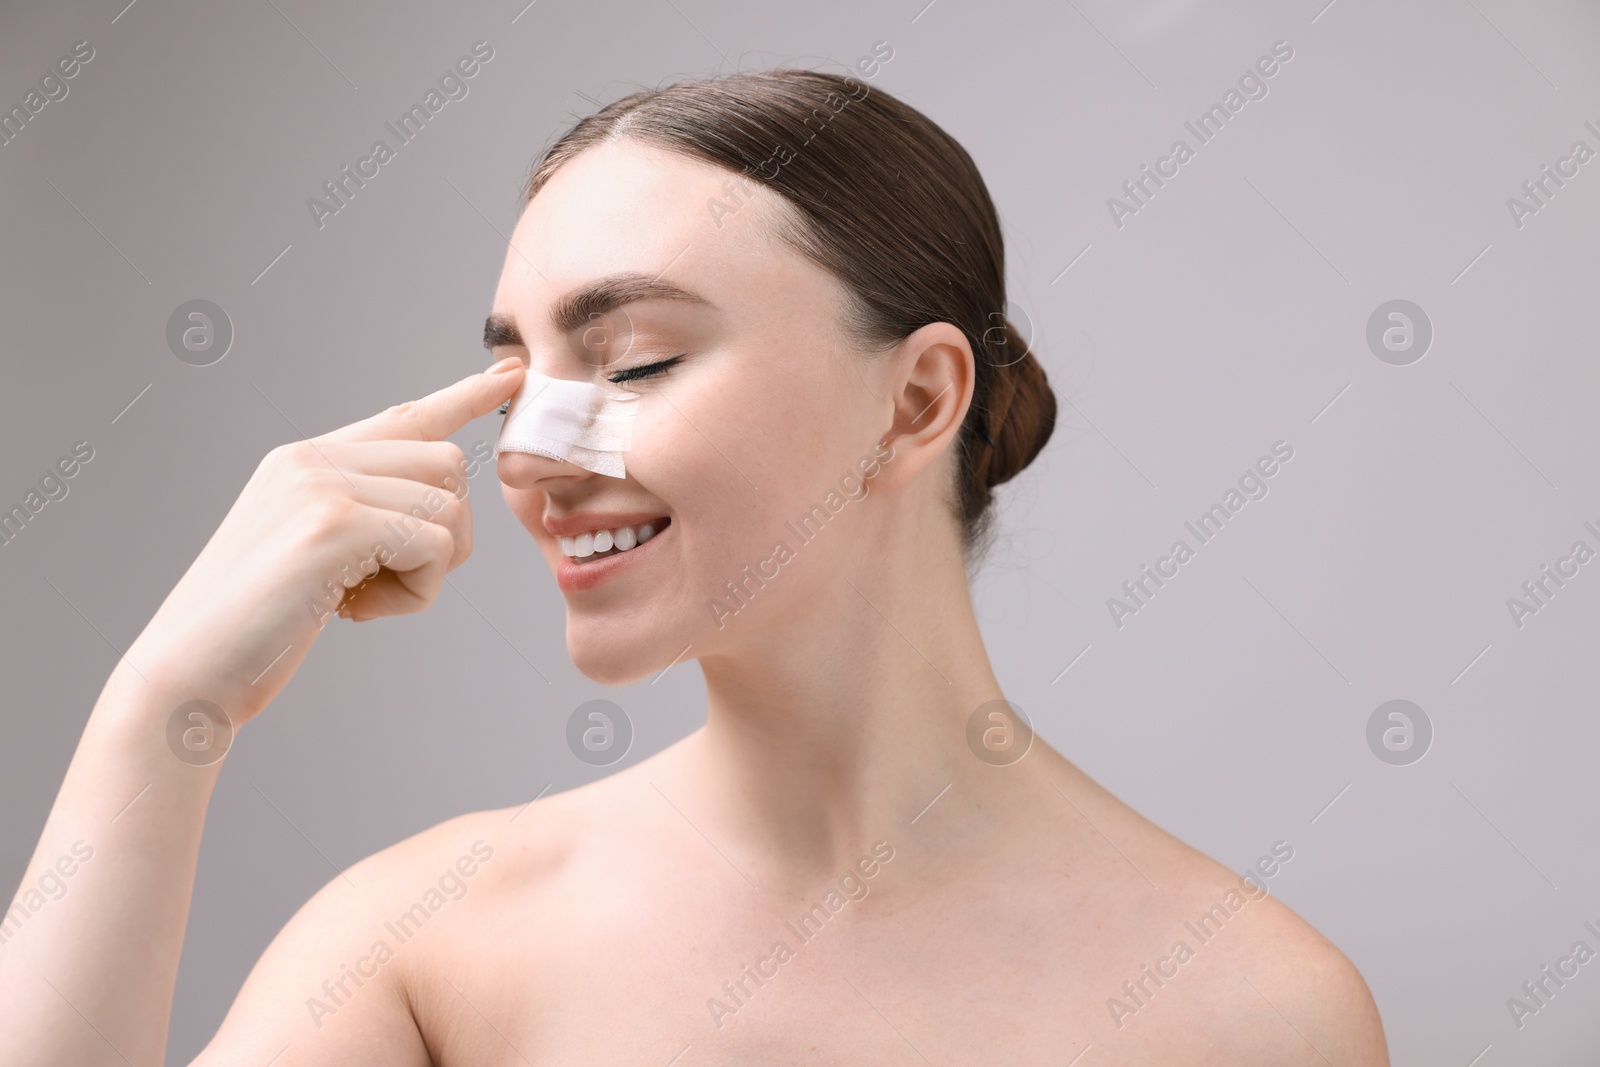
(1226,315)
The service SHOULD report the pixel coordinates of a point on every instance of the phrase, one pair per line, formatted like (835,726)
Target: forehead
(628,206)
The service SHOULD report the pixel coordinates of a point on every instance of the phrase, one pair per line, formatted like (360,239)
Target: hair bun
(1021,412)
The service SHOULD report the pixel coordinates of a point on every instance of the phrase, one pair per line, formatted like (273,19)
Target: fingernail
(505,365)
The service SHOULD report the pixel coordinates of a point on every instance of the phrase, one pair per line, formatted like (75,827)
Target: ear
(929,379)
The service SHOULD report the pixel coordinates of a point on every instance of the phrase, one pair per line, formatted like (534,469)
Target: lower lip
(573,577)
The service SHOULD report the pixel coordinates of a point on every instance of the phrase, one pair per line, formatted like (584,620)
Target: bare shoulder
(1239,970)
(1296,978)
(329,988)
(347,978)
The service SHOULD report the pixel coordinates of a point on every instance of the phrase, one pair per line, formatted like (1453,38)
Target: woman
(864,856)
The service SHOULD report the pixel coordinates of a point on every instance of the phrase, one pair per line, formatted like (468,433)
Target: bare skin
(978,914)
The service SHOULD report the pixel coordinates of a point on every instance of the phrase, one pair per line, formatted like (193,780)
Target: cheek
(748,430)
(736,463)
(691,454)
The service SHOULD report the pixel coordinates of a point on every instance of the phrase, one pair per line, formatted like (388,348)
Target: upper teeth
(622,538)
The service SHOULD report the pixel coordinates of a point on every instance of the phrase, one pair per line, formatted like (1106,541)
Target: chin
(601,658)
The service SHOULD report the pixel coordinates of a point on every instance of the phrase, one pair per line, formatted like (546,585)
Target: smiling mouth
(599,544)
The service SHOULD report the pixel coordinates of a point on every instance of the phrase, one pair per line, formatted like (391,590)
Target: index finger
(439,414)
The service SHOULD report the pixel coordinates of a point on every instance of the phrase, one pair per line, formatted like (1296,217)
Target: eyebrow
(574,310)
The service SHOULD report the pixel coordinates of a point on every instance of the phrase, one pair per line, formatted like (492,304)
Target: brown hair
(888,203)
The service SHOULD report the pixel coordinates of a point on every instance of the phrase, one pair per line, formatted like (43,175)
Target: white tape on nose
(578,422)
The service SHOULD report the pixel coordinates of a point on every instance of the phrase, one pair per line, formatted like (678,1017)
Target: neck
(835,726)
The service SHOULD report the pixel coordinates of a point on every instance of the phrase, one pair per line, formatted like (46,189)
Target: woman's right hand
(127,821)
(364,521)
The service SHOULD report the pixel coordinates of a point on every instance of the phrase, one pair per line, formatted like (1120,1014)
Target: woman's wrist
(173,670)
(165,710)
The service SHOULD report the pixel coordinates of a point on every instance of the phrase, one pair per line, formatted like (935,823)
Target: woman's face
(752,446)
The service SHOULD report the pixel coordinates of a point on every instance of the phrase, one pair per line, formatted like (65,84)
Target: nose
(526,470)
(550,418)
(529,470)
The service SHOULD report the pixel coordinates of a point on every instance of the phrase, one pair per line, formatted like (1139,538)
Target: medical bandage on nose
(578,422)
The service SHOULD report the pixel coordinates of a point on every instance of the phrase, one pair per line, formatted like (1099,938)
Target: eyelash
(649,370)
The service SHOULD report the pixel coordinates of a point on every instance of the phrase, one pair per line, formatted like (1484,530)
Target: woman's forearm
(89,947)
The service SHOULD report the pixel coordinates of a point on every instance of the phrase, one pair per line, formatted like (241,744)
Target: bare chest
(694,983)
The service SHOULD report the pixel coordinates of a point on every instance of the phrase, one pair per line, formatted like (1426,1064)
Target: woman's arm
(93,936)
(89,948)
(88,978)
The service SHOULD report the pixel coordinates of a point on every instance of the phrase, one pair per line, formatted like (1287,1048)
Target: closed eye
(649,370)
